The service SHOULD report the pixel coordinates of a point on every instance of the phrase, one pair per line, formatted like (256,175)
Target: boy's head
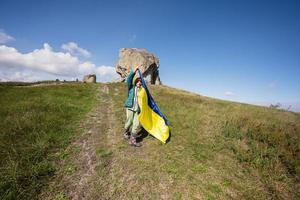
(137,82)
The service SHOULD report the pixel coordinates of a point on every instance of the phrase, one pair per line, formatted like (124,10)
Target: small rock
(90,78)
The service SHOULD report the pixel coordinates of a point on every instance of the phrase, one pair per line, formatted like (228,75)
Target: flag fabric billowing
(150,117)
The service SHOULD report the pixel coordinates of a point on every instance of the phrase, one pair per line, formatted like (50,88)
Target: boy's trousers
(132,121)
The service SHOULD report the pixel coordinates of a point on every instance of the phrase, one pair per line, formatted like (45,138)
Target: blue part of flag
(151,102)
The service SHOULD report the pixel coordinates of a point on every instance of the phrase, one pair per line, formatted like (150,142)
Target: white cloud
(107,73)
(272,84)
(44,63)
(20,75)
(229,93)
(4,38)
(132,38)
(74,49)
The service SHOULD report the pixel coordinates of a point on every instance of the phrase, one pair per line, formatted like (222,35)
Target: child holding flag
(132,108)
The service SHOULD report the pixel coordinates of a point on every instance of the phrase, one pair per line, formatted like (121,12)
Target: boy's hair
(135,79)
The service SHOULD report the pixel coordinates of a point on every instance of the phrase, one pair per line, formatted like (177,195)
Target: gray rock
(148,63)
(90,78)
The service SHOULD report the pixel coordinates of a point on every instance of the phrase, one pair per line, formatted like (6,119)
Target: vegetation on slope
(35,124)
(218,149)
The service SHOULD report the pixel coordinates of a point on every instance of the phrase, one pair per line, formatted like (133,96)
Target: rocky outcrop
(90,78)
(148,63)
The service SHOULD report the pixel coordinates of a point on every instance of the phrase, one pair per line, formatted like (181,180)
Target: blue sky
(245,51)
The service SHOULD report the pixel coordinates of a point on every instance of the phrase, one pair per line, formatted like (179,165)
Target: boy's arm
(130,77)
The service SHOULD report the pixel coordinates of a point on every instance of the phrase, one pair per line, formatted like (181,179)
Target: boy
(132,108)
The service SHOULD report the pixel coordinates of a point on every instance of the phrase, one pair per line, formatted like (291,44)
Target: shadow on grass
(169,138)
(143,134)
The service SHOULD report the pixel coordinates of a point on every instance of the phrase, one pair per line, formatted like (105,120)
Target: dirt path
(112,137)
(82,182)
(89,162)
(100,164)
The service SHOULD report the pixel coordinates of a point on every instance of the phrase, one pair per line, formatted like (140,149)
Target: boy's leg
(129,119)
(135,125)
(135,128)
(128,123)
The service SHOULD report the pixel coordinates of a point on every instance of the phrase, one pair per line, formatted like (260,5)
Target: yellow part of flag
(151,121)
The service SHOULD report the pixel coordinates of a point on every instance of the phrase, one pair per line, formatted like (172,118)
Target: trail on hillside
(115,176)
(96,166)
(82,181)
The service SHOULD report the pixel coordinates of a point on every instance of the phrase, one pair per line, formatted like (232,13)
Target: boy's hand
(136,68)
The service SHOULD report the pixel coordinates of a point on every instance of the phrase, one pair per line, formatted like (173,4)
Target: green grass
(104,153)
(36,124)
(218,149)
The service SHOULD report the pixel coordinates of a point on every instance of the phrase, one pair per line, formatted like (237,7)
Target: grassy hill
(65,142)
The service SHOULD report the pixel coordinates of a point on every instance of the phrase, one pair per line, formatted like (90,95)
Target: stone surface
(90,78)
(148,63)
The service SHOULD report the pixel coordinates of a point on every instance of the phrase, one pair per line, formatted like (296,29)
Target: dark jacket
(130,87)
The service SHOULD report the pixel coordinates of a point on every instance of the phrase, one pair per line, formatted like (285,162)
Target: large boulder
(90,78)
(148,63)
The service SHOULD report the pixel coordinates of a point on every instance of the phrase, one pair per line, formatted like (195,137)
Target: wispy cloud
(4,37)
(272,84)
(132,38)
(48,63)
(229,93)
(74,49)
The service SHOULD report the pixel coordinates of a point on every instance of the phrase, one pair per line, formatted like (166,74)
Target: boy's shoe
(133,142)
(126,135)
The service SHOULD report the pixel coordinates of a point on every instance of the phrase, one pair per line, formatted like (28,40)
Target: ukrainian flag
(150,117)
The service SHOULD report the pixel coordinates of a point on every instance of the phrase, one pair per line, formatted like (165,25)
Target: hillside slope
(218,150)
